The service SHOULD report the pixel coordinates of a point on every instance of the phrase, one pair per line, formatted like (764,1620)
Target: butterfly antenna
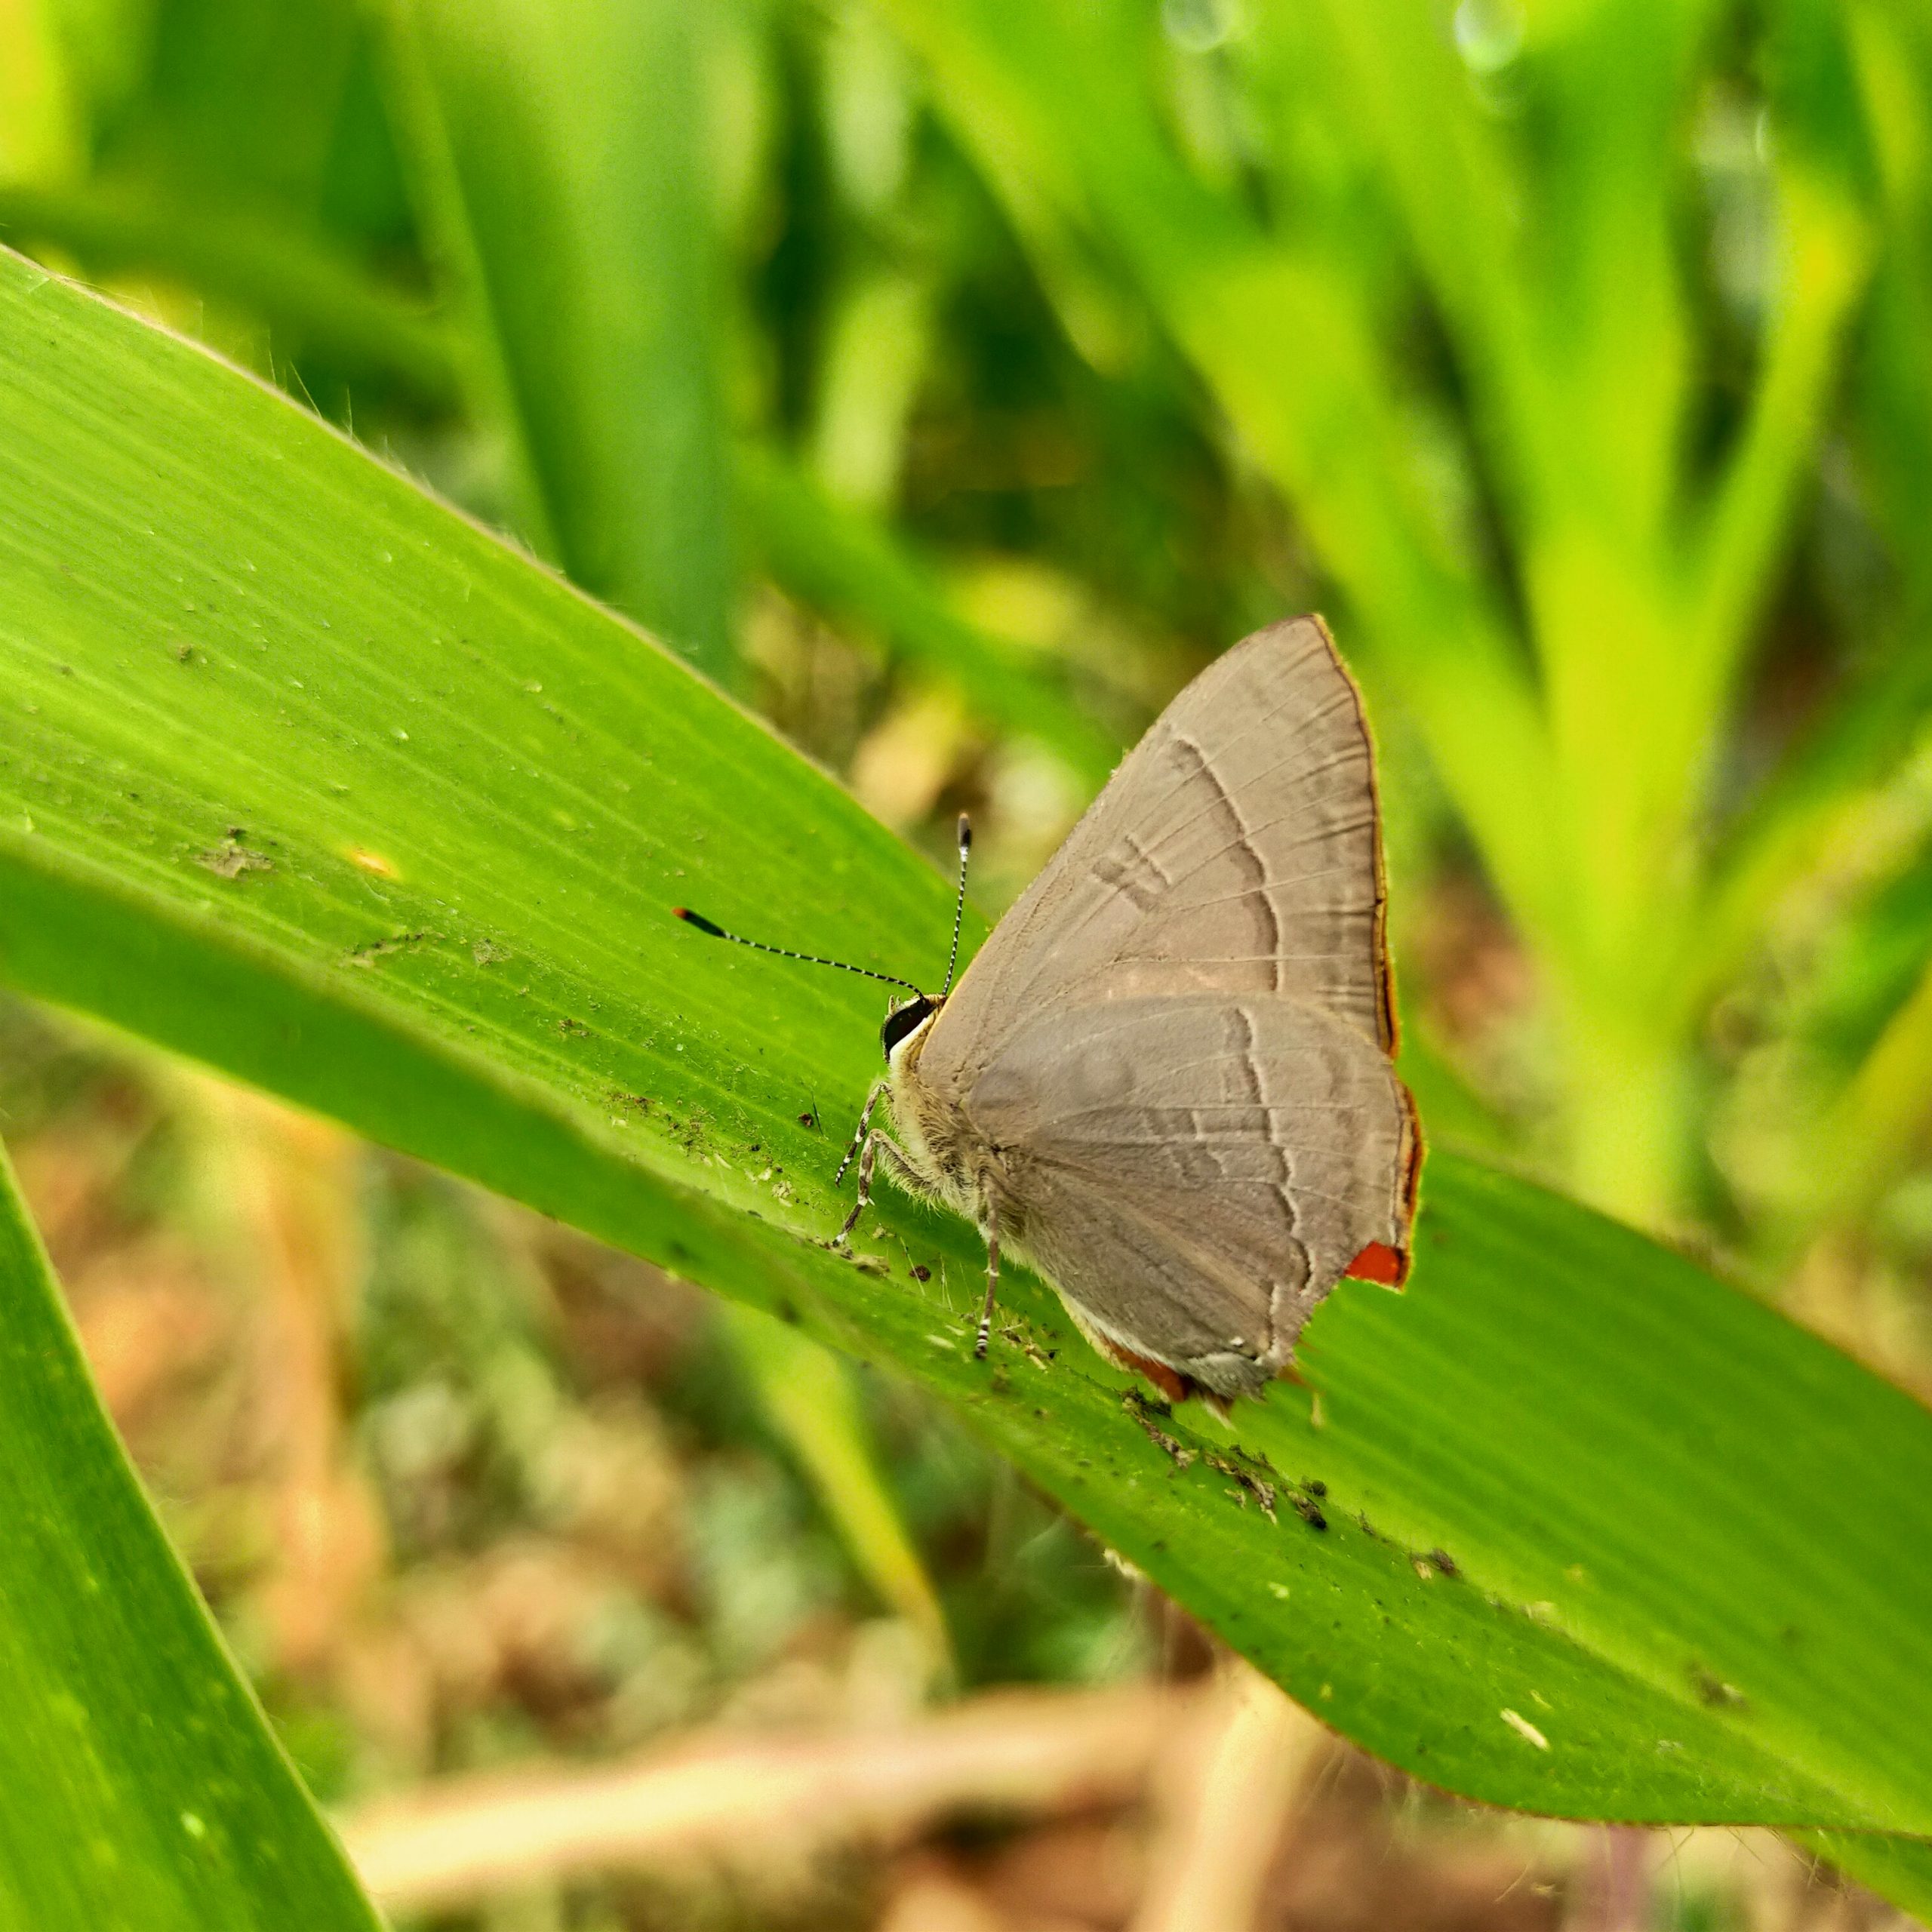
(959,899)
(704,925)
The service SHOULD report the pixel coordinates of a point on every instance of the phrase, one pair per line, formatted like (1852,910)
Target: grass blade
(141,1786)
(558,158)
(807,1396)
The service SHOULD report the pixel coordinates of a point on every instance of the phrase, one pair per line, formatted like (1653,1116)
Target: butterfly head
(905,1021)
(906,1018)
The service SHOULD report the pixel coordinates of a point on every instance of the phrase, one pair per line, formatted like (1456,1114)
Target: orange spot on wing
(1379,1262)
(1169,1382)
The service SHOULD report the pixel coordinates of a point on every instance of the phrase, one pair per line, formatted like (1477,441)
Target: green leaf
(234,94)
(558,159)
(142,1788)
(307,777)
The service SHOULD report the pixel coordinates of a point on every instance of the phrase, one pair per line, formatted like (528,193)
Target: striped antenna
(704,925)
(959,899)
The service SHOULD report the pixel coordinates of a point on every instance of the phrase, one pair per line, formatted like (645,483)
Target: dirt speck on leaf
(1524,1729)
(231,858)
(1144,1413)
(1713,1690)
(1250,1483)
(368,954)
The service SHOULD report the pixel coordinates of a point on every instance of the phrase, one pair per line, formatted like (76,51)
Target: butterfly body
(940,1152)
(959,1167)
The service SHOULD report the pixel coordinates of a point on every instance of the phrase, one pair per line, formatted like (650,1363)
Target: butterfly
(1166,1082)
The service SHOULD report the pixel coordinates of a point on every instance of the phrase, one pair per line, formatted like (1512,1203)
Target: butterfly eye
(902,1020)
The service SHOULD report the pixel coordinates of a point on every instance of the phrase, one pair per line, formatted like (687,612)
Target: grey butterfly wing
(1237,849)
(1194,1173)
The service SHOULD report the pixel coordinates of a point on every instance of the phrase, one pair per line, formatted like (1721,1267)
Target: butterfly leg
(879,1089)
(902,1170)
(991,1231)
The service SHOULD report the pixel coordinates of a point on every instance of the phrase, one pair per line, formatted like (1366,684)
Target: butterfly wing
(1237,849)
(1194,1172)
(1175,1048)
